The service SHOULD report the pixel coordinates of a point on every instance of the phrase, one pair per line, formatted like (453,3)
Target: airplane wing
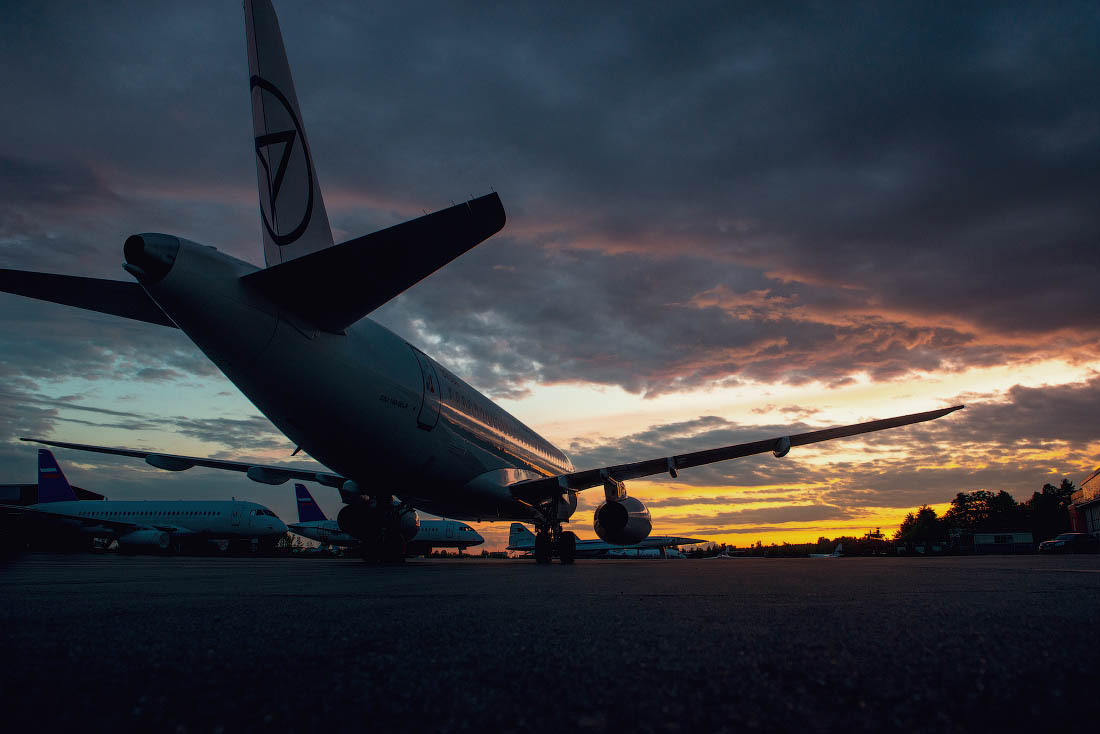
(539,489)
(116,297)
(171,462)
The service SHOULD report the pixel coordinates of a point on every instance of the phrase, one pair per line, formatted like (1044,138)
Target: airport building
(1084,509)
(1003,543)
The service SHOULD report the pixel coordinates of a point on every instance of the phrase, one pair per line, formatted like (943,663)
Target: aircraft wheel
(370,550)
(543,551)
(393,547)
(567,546)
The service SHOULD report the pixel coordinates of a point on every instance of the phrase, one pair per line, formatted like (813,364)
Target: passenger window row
(151,513)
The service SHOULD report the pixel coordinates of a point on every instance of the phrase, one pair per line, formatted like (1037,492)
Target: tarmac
(326,645)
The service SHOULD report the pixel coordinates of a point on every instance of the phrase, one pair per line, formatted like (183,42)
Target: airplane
(381,416)
(142,525)
(837,552)
(645,553)
(523,540)
(430,534)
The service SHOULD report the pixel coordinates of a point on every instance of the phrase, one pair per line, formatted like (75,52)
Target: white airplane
(837,552)
(313,524)
(144,525)
(379,414)
(645,553)
(523,540)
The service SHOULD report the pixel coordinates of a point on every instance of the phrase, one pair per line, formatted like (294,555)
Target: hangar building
(1084,509)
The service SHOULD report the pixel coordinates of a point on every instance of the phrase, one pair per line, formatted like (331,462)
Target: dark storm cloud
(778,193)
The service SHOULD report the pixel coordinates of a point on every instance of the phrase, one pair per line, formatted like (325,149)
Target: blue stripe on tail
(52,484)
(308,509)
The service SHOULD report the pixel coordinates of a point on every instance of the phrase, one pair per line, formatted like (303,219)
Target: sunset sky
(724,224)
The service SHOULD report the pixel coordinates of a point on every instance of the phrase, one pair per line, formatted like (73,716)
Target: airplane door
(429,401)
(450,531)
(235,517)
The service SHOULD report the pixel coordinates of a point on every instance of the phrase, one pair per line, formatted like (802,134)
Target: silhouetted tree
(923,526)
(1048,511)
(984,511)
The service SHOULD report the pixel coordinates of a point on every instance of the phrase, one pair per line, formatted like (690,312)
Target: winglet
(308,509)
(52,484)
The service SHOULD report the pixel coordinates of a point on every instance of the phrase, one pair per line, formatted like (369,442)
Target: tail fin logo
(265,145)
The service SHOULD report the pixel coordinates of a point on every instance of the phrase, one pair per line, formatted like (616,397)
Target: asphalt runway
(322,645)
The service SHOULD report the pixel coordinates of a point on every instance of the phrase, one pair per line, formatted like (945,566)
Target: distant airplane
(430,534)
(523,540)
(145,525)
(379,413)
(837,552)
(645,553)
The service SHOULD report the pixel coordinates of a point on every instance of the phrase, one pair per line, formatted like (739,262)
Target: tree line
(1046,514)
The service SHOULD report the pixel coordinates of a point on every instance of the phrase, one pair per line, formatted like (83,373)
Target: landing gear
(543,546)
(551,540)
(377,524)
(567,546)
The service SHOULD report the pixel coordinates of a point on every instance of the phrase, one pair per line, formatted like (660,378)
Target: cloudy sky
(725,223)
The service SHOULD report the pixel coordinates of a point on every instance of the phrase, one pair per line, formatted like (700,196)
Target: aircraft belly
(352,401)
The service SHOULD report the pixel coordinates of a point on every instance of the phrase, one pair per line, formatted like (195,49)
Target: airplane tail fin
(52,484)
(519,535)
(308,509)
(293,213)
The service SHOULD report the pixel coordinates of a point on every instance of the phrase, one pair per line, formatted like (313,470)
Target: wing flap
(116,297)
(335,287)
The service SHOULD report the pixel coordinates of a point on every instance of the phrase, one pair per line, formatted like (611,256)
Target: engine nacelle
(361,520)
(145,539)
(622,522)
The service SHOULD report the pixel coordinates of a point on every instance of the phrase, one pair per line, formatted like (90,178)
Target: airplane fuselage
(215,520)
(430,534)
(364,403)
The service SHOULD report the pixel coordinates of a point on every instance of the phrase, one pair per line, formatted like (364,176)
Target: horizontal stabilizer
(116,297)
(335,287)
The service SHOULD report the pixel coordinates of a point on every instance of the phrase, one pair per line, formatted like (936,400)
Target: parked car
(1071,543)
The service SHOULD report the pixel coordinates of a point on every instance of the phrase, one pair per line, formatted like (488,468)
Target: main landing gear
(377,525)
(551,540)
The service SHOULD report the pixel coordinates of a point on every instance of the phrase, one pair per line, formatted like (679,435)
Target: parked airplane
(149,525)
(645,553)
(837,552)
(377,412)
(522,539)
(430,534)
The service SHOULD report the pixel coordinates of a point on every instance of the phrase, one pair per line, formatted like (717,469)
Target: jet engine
(362,519)
(144,539)
(623,521)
